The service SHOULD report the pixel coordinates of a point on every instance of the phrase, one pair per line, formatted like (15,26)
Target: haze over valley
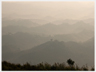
(48,32)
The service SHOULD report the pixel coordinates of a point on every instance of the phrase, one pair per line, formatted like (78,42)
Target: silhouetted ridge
(56,51)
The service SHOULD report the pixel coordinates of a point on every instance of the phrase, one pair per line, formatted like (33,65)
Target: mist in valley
(48,32)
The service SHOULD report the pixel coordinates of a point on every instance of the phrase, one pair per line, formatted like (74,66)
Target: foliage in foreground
(41,66)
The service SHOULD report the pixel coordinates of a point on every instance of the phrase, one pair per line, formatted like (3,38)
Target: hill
(55,51)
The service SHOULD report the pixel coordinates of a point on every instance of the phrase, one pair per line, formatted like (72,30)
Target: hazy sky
(58,10)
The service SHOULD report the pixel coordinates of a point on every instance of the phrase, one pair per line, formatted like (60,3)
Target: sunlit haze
(51,32)
(56,10)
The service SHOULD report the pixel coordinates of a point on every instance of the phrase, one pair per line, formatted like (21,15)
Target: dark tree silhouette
(70,62)
(7,66)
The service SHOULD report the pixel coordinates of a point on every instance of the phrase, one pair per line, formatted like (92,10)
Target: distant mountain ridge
(28,41)
(25,25)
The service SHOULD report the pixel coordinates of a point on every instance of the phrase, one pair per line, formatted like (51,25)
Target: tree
(70,62)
